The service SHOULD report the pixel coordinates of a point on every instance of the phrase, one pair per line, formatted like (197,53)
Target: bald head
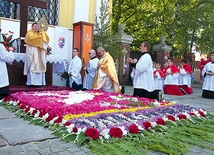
(92,53)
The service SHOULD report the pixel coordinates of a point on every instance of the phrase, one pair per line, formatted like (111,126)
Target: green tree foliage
(183,23)
(103,35)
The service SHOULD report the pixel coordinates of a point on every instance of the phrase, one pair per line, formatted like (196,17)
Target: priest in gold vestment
(106,77)
(35,59)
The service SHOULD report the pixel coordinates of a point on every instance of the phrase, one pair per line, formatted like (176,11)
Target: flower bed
(77,115)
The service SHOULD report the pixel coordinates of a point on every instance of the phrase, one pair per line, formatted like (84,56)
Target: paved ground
(18,137)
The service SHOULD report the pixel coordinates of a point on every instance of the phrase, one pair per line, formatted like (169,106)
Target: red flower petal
(133,129)
(42,113)
(172,118)
(6,99)
(58,120)
(34,111)
(92,133)
(116,132)
(27,109)
(50,117)
(67,124)
(192,114)
(75,129)
(160,121)
(182,116)
(201,114)
(23,106)
(147,125)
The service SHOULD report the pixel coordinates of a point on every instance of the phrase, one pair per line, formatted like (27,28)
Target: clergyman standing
(90,70)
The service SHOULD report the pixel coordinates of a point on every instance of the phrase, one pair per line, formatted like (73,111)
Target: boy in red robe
(185,77)
(158,77)
(171,79)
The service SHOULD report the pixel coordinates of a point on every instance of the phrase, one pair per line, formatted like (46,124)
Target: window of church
(12,10)
(5,9)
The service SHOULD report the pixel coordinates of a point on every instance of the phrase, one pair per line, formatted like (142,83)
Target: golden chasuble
(35,39)
(108,68)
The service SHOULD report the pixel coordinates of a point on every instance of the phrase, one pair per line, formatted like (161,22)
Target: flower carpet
(115,123)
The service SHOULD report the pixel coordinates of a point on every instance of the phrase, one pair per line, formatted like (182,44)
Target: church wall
(66,13)
(92,10)
(72,11)
(81,10)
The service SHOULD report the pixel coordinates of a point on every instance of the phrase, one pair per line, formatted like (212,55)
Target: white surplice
(171,79)
(90,74)
(74,68)
(5,57)
(158,81)
(184,78)
(208,83)
(143,77)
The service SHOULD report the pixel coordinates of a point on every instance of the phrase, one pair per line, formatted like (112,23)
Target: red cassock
(201,65)
(172,88)
(161,73)
(186,89)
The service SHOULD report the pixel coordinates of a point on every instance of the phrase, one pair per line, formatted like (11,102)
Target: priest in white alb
(35,59)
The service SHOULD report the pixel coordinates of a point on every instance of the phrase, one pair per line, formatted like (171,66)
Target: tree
(183,23)
(103,35)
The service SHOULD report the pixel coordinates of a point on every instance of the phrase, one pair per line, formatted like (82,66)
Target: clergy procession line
(101,116)
(175,80)
(149,80)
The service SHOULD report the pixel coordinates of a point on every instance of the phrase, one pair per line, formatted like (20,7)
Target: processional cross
(24,14)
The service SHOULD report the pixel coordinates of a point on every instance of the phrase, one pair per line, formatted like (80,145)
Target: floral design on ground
(100,114)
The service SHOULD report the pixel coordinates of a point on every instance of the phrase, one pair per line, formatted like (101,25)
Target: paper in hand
(87,64)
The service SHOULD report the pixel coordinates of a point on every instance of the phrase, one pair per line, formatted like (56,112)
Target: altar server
(5,57)
(171,79)
(143,78)
(201,65)
(158,77)
(208,74)
(185,77)
(74,69)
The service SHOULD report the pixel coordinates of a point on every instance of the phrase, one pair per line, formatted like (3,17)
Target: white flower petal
(105,133)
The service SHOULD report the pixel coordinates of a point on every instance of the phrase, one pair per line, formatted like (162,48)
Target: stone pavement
(18,137)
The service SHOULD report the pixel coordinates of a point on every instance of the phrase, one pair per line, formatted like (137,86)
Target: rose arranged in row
(147,125)
(133,129)
(116,132)
(160,121)
(92,133)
